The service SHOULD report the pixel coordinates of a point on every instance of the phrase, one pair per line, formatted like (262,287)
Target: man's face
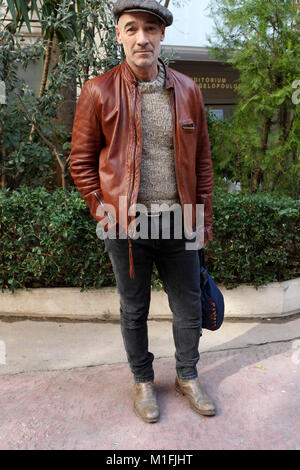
(140,34)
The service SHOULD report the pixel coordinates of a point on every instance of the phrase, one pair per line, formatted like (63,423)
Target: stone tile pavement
(256,389)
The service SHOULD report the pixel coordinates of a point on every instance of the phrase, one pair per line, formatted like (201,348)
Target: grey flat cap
(147,6)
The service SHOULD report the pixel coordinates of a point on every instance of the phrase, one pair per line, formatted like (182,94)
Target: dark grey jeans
(180,272)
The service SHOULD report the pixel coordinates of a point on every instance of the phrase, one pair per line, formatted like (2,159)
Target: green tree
(23,160)
(77,40)
(261,41)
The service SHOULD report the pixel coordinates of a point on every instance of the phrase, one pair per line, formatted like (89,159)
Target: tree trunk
(257,174)
(45,73)
(286,122)
(238,165)
(66,113)
(283,123)
(46,64)
(3,173)
(256,179)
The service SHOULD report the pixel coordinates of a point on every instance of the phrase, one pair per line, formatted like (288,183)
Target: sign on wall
(217,82)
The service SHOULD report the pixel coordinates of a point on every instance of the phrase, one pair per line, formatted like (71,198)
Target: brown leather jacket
(106,147)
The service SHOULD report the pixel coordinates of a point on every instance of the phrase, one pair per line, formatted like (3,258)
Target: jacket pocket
(188,125)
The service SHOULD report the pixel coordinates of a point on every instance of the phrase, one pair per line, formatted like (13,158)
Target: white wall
(191,24)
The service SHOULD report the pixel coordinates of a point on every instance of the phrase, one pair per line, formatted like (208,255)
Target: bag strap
(202,251)
(202,258)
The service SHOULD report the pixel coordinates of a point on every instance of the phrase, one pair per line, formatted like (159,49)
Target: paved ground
(68,386)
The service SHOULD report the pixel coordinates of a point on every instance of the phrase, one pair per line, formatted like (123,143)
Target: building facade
(217,81)
(187,43)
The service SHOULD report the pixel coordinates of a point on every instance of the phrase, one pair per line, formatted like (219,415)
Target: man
(140,140)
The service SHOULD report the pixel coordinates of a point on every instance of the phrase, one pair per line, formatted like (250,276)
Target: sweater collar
(155,85)
(130,77)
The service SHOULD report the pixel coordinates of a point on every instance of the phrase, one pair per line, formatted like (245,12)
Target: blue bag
(212,298)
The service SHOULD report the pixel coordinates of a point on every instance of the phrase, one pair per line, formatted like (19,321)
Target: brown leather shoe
(145,402)
(197,396)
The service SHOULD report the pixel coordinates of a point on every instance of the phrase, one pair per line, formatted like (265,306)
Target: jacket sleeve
(204,167)
(86,144)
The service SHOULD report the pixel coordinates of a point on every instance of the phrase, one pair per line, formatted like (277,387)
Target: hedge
(48,239)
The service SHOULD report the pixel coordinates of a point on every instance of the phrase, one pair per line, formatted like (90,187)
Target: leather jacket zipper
(131,263)
(174,142)
(135,144)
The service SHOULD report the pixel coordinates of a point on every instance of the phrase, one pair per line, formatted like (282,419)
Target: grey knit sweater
(158,175)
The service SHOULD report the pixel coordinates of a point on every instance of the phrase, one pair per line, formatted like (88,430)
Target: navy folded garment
(212,298)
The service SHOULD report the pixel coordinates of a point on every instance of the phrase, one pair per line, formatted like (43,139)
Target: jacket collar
(130,77)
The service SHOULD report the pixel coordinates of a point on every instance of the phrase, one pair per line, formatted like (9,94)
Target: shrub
(256,239)
(48,239)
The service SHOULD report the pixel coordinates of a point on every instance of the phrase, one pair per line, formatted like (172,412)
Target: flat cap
(147,6)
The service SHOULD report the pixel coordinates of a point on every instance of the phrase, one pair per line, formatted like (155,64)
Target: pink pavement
(256,390)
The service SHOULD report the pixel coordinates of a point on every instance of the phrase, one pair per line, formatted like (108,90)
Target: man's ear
(118,34)
(163,32)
